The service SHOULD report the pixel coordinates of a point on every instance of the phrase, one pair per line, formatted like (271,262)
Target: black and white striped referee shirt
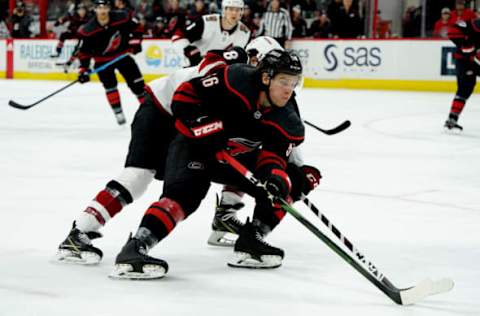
(276,24)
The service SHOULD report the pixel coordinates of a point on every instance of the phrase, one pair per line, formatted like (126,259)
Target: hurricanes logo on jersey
(114,43)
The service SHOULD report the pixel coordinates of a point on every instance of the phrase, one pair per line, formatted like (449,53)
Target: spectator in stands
(321,26)
(144,9)
(124,5)
(348,23)
(197,11)
(276,23)
(442,25)
(4,32)
(21,22)
(412,20)
(308,7)
(159,29)
(333,10)
(298,22)
(249,20)
(461,13)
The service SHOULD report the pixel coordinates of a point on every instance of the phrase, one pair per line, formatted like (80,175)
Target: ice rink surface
(401,189)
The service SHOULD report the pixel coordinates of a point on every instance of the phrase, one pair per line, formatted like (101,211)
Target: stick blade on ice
(425,288)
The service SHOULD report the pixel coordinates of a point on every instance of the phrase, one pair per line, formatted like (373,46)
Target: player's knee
(135,181)
(188,196)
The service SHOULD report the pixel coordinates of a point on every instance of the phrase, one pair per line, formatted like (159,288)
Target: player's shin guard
(113,97)
(162,217)
(138,88)
(108,202)
(457,107)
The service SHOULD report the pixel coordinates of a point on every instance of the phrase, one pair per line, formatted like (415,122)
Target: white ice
(401,189)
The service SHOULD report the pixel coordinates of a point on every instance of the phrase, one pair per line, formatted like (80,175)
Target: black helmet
(101,2)
(280,61)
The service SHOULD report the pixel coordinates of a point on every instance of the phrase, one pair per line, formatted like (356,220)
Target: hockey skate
(253,252)
(77,248)
(133,263)
(225,225)
(452,125)
(120,118)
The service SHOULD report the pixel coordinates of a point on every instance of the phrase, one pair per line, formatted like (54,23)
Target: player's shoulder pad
(119,17)
(287,122)
(88,28)
(476,25)
(211,17)
(239,79)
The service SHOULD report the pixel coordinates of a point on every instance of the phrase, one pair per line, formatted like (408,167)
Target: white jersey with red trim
(207,34)
(162,89)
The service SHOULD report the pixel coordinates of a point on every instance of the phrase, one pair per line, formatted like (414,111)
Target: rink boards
(361,64)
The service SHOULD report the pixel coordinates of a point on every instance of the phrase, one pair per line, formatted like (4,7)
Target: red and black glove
(193,55)
(312,178)
(83,75)
(135,45)
(304,179)
(278,183)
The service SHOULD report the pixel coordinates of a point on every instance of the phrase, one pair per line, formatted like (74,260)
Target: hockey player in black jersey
(260,126)
(466,37)
(152,131)
(74,20)
(108,35)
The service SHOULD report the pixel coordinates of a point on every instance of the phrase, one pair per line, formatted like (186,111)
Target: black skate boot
(225,226)
(133,263)
(451,123)
(77,248)
(252,251)
(119,116)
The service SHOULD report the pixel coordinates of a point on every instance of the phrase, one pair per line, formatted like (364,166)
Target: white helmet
(261,46)
(232,3)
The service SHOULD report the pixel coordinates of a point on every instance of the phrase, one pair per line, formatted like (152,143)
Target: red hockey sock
(457,106)
(113,98)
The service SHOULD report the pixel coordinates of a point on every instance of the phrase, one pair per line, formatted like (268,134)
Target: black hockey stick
(94,71)
(340,128)
(405,296)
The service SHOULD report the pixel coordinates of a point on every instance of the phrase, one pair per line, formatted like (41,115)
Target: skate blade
(84,258)
(245,260)
(126,272)
(222,239)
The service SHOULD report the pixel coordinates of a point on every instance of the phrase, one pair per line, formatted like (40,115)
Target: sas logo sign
(352,58)
(156,57)
(448,64)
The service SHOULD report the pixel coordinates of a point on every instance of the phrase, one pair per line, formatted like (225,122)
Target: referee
(276,23)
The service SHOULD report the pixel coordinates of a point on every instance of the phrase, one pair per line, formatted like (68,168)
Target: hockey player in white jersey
(152,131)
(213,31)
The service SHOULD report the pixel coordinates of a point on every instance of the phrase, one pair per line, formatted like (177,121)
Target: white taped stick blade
(425,288)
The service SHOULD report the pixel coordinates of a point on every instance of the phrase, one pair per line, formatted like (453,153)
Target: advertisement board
(3,58)
(364,59)
(369,64)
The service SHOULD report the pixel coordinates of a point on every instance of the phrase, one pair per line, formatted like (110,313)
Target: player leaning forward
(240,102)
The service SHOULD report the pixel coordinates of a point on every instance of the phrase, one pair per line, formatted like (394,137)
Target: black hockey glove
(83,75)
(278,183)
(193,55)
(135,45)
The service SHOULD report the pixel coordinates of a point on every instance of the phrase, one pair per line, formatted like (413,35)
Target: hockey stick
(94,71)
(340,128)
(405,296)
